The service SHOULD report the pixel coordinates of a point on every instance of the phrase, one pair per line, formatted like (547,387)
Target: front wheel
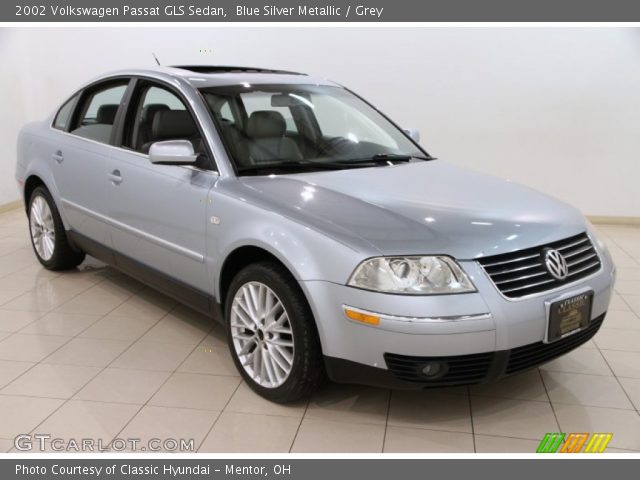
(272,334)
(48,236)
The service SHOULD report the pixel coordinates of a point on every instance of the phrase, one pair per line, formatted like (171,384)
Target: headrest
(107,113)
(266,123)
(149,111)
(173,124)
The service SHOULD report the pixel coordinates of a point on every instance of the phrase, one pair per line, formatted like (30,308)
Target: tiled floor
(94,354)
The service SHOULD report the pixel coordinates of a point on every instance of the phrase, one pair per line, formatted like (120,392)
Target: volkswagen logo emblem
(556,264)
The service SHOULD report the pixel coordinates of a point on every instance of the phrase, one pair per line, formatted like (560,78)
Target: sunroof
(230,69)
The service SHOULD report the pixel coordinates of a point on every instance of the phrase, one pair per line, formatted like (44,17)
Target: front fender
(304,251)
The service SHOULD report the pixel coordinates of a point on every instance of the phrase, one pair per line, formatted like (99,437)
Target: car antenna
(156,58)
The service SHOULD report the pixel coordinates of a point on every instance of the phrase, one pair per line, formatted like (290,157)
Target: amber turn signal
(362,317)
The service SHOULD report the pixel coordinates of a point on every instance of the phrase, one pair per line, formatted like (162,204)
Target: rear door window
(99,113)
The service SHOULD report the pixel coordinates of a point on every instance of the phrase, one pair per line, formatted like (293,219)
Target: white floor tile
(248,433)
(115,385)
(204,392)
(319,436)
(417,440)
(51,381)
(624,424)
(430,409)
(512,418)
(588,390)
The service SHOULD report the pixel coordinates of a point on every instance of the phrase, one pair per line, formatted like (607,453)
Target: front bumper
(405,372)
(497,337)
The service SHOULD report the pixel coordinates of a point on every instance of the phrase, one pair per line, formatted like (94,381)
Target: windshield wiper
(382,159)
(391,157)
(291,166)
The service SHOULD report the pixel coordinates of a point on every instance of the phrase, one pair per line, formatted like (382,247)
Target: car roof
(202,76)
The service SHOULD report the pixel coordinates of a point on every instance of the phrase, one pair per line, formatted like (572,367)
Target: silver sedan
(322,235)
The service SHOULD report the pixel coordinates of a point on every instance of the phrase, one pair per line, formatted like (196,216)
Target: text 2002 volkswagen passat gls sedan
(319,232)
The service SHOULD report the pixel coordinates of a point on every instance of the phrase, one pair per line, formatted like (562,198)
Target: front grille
(528,356)
(521,273)
(461,369)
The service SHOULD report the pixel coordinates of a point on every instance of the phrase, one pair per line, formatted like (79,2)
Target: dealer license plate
(569,315)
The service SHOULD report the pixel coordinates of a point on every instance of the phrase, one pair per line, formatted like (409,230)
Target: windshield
(293,128)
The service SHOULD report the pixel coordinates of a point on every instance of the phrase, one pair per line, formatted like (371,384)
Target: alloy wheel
(42,228)
(262,335)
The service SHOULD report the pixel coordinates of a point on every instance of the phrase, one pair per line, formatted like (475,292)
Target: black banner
(319,11)
(315,469)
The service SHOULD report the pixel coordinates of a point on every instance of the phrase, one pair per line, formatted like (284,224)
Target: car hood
(418,208)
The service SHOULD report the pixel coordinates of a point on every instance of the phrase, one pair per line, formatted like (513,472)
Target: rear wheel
(48,236)
(272,334)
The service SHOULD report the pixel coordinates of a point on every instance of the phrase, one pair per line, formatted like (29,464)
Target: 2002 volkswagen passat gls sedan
(322,235)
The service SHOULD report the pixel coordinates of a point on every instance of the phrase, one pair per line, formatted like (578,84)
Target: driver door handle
(115,177)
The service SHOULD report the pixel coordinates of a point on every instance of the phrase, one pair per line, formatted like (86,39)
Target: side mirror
(172,152)
(413,133)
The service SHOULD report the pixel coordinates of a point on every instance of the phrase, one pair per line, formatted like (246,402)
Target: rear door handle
(58,157)
(115,177)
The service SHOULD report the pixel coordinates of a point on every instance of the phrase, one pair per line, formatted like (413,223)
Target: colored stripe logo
(550,443)
(558,442)
(598,442)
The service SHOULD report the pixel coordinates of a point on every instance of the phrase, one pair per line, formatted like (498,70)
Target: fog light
(434,369)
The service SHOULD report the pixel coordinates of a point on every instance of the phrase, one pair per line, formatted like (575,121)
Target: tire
(270,282)
(48,236)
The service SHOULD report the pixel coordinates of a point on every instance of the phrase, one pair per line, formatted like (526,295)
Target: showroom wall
(554,108)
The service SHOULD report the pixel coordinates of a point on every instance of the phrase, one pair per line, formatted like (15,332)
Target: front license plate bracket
(568,315)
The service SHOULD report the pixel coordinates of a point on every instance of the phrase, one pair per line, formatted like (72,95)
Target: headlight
(411,275)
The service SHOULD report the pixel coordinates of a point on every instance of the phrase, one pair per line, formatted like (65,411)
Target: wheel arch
(245,255)
(30,184)
(34,180)
(241,257)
